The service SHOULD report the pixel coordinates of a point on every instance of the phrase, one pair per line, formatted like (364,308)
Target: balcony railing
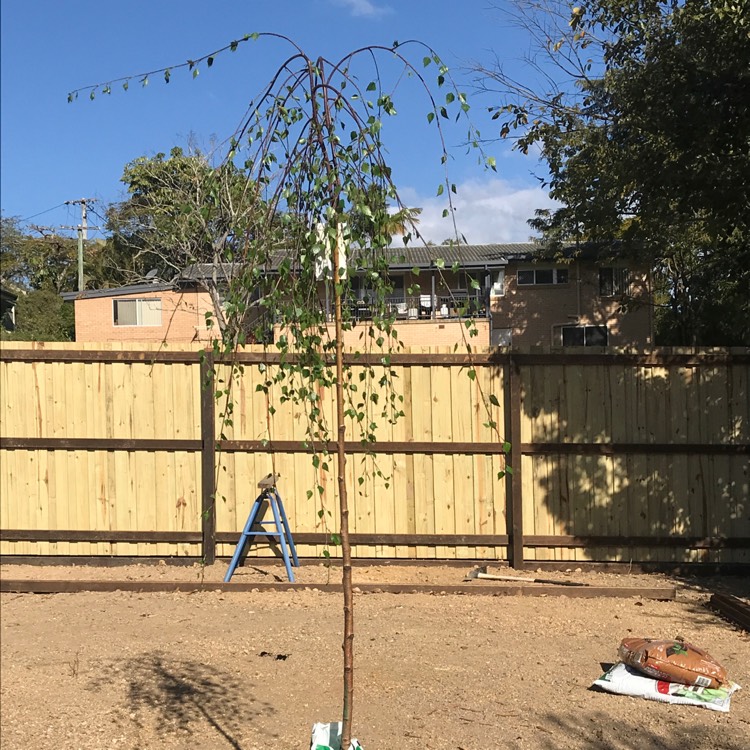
(424,306)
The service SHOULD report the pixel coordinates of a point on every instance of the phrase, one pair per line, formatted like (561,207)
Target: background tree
(641,112)
(41,265)
(42,315)
(182,210)
(42,260)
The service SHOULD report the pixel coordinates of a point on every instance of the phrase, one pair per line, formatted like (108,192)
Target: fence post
(516,479)
(208,459)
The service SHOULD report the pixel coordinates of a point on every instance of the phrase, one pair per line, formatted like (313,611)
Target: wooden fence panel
(631,446)
(94,489)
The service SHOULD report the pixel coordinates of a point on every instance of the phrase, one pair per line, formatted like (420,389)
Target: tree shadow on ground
(180,694)
(675,731)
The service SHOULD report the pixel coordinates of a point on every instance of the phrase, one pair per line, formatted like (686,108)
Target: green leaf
(195,72)
(472,374)
(426,61)
(506,447)
(167,75)
(440,189)
(449,97)
(493,399)
(371,86)
(491,163)
(210,61)
(430,116)
(440,263)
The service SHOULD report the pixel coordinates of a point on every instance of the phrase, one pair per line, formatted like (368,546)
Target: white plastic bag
(624,680)
(328,737)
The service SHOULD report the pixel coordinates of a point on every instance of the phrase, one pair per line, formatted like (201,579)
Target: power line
(43,212)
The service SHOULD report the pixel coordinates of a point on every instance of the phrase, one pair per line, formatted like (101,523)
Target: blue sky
(53,151)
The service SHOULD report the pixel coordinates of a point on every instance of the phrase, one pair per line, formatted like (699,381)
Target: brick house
(516,296)
(142,312)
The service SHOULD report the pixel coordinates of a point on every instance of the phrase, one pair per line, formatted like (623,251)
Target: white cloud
(486,211)
(364,8)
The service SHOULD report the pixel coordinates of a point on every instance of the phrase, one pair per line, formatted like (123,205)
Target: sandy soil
(256,670)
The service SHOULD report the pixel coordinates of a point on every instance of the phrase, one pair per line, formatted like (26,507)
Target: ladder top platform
(268,481)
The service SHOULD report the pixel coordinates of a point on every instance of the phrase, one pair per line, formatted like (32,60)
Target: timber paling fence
(616,456)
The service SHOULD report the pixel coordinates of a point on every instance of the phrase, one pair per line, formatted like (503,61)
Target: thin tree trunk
(346,550)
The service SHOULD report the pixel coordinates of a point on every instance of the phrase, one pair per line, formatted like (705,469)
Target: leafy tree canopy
(41,261)
(42,315)
(643,119)
(182,210)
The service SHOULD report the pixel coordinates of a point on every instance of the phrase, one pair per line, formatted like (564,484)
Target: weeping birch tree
(312,154)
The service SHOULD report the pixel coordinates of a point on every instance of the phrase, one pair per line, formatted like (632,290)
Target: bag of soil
(625,680)
(673,661)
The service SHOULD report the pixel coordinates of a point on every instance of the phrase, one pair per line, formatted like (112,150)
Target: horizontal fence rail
(615,456)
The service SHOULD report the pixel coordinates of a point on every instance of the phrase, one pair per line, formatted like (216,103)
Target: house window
(501,337)
(538,276)
(137,312)
(614,282)
(584,335)
(498,284)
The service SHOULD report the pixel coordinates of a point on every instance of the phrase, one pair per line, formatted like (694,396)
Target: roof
(119,291)
(488,256)
(469,256)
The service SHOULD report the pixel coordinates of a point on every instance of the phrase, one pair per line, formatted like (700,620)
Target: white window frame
(556,272)
(139,301)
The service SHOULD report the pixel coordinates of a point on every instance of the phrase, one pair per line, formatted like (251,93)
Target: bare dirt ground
(256,670)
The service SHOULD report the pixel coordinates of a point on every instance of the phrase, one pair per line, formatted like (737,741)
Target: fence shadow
(180,694)
(640,491)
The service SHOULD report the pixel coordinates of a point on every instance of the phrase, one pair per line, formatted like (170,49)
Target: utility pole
(83,229)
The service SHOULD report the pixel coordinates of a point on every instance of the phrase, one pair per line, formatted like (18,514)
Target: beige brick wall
(416,333)
(182,318)
(430,333)
(535,313)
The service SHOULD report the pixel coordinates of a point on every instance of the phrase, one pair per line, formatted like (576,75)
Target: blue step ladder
(270,494)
